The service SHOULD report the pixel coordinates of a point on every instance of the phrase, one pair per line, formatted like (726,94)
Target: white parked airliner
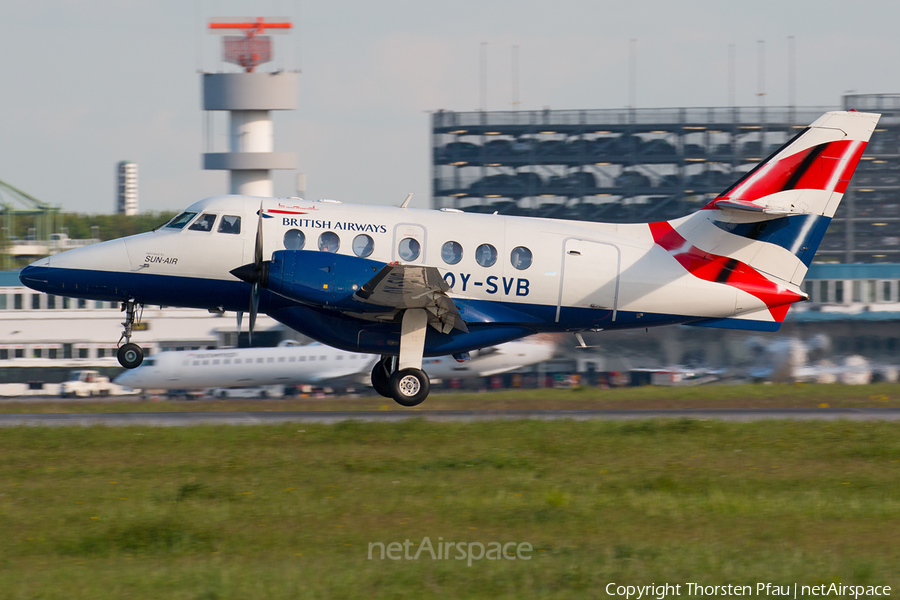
(311,364)
(407,284)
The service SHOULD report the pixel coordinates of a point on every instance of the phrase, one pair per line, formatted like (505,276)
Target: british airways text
(337,225)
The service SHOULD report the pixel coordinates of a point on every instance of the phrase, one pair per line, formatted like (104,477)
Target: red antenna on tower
(253,48)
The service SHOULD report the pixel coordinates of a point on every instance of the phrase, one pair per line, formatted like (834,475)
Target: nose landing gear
(130,355)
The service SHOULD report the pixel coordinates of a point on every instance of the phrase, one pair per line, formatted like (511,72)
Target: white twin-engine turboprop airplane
(407,283)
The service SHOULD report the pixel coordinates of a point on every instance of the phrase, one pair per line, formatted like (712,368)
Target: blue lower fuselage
(489,322)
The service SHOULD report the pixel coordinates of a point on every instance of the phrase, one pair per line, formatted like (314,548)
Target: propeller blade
(240,317)
(254,308)
(257,272)
(258,250)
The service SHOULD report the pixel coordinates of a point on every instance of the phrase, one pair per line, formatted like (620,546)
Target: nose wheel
(130,355)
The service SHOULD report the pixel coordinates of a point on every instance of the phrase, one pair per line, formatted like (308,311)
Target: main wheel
(130,356)
(409,387)
(381,377)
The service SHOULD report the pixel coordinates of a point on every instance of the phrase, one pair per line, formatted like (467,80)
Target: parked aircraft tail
(760,234)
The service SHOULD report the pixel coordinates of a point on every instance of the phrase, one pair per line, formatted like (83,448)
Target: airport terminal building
(644,165)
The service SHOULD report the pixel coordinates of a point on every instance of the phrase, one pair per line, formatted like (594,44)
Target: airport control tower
(248,97)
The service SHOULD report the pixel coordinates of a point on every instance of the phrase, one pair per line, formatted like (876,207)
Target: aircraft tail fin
(775,217)
(761,234)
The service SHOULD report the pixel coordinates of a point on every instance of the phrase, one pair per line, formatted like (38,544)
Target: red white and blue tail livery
(407,283)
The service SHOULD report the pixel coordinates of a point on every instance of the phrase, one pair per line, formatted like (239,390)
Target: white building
(85,333)
(127,188)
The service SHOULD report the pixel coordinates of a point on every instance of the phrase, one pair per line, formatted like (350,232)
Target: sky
(89,83)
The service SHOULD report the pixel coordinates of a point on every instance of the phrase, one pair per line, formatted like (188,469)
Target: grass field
(289,511)
(715,396)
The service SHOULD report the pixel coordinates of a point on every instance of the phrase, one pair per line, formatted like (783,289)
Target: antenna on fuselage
(406,202)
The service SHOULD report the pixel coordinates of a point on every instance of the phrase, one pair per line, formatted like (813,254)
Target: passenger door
(590,278)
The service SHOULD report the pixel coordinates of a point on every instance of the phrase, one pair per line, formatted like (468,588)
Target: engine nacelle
(320,278)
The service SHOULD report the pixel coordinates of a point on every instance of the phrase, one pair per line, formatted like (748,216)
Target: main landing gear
(401,377)
(130,355)
(408,387)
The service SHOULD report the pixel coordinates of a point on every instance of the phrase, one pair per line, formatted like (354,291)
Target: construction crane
(14,202)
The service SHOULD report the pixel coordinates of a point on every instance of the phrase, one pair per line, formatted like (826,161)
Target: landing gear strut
(130,355)
(403,378)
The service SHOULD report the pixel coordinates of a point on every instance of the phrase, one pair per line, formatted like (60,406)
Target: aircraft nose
(36,275)
(126,379)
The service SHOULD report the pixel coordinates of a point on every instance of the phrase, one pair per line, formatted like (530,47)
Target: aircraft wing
(414,286)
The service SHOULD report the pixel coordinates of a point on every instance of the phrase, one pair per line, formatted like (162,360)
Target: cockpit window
(230,224)
(204,223)
(181,220)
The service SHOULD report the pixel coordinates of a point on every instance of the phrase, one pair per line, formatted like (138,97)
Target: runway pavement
(176,419)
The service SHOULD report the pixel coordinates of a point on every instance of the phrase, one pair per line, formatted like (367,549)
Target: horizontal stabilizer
(755,207)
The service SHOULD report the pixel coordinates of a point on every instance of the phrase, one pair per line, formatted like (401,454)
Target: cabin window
(51,301)
(17,301)
(409,249)
(181,220)
(451,252)
(329,242)
(82,353)
(19,353)
(82,303)
(66,302)
(520,258)
(35,301)
(363,245)
(101,352)
(294,239)
(230,224)
(204,223)
(4,354)
(2,301)
(280,359)
(486,255)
